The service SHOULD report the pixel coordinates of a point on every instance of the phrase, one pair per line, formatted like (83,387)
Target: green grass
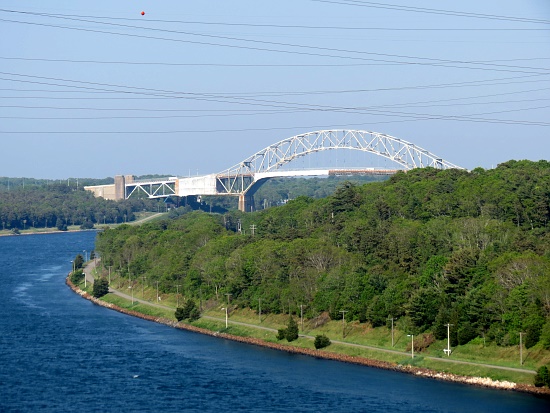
(355,333)
(140,308)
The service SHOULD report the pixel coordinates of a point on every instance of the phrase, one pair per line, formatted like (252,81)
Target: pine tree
(291,330)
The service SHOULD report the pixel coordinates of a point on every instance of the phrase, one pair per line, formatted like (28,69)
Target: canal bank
(404,368)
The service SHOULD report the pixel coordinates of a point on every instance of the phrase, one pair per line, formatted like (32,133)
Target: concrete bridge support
(246,202)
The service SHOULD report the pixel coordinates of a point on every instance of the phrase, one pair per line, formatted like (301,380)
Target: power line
(281,26)
(426,10)
(420,60)
(176,94)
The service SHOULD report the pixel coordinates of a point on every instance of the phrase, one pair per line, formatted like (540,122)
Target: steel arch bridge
(244,178)
(266,163)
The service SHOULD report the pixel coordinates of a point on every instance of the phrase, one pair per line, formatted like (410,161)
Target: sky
(96,89)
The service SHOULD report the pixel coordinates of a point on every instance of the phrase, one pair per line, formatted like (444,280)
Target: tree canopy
(427,247)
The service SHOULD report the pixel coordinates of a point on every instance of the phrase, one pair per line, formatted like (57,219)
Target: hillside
(425,247)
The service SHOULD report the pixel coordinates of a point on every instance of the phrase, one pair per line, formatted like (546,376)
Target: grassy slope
(356,333)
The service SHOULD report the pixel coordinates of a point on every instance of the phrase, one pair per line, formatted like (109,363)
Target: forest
(58,205)
(426,248)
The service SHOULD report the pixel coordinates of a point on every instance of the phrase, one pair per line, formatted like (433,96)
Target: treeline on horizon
(426,248)
(58,205)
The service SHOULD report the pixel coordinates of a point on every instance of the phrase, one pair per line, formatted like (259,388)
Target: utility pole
(521,349)
(302,316)
(178,294)
(143,287)
(157,291)
(110,274)
(343,322)
(448,349)
(260,310)
(392,330)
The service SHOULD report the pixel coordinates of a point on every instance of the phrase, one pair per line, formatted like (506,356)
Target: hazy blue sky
(94,89)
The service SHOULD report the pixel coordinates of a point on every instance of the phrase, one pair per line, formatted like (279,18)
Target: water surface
(60,353)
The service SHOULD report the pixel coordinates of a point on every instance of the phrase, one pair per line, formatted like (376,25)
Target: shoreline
(417,371)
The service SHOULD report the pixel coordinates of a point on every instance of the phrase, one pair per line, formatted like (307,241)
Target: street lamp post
(448,349)
(260,310)
(157,291)
(412,344)
(110,274)
(392,330)
(143,287)
(226,317)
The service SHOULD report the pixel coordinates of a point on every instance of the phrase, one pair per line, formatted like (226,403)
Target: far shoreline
(417,371)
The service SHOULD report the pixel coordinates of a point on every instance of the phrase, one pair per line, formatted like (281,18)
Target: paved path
(89,277)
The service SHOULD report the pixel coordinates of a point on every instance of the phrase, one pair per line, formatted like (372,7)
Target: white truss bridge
(244,178)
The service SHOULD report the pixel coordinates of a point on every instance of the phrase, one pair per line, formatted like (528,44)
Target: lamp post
(260,310)
(158,292)
(143,287)
(412,344)
(448,349)
(226,317)
(392,330)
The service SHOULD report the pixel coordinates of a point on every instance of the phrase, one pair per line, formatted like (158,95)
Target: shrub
(291,333)
(281,333)
(321,341)
(179,314)
(77,276)
(101,288)
(542,378)
(87,225)
(188,311)
(194,314)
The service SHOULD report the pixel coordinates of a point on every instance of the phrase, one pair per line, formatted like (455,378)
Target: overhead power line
(315,51)
(426,10)
(287,26)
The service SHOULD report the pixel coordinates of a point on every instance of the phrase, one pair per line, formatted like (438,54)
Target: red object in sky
(143,13)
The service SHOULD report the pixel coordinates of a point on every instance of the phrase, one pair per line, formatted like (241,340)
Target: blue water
(60,353)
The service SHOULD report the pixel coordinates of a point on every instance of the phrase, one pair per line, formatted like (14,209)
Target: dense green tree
(291,333)
(78,261)
(542,378)
(101,287)
(428,247)
(321,341)
(180,314)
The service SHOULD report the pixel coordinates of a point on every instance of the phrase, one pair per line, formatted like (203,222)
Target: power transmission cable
(426,10)
(421,60)
(282,26)
(176,94)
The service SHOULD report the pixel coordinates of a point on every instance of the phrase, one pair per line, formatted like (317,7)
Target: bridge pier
(246,202)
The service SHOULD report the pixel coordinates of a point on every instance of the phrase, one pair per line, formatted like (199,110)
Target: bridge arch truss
(241,177)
